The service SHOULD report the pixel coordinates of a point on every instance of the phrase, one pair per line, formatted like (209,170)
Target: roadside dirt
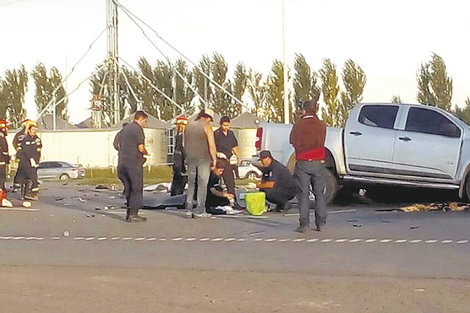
(91,289)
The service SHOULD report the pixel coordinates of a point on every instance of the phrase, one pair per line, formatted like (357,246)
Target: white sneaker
(201,215)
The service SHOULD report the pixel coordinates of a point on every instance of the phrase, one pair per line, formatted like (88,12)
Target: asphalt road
(72,251)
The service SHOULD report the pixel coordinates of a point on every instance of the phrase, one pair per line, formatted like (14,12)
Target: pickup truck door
(369,138)
(429,146)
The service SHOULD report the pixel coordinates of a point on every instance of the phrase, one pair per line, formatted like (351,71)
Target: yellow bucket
(256,203)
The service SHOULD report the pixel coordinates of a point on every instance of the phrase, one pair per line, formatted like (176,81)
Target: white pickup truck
(387,144)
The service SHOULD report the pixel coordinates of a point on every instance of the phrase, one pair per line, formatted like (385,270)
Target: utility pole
(284,54)
(112,31)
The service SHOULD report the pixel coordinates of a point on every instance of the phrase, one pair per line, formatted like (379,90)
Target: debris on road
(446,206)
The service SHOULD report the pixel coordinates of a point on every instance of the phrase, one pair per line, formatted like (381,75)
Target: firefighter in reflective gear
(4,155)
(29,154)
(4,162)
(17,140)
(180,178)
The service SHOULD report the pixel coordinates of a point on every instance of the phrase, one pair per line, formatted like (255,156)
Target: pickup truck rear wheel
(467,187)
(331,182)
(331,186)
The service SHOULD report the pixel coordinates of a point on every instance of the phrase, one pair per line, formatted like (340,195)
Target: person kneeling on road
(277,182)
(219,201)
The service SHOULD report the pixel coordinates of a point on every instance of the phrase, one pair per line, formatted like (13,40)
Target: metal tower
(112,31)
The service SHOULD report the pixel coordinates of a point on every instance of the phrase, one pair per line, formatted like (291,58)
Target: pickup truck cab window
(378,115)
(430,122)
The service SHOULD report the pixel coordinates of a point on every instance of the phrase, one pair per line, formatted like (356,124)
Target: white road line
(234,239)
(18,209)
(355,240)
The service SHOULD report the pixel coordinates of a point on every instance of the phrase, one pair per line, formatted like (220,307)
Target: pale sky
(388,39)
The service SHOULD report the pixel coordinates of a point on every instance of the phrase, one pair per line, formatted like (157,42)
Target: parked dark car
(60,170)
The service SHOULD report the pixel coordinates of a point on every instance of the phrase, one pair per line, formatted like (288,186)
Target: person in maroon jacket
(308,138)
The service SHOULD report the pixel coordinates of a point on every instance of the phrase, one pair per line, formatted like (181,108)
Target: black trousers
(279,195)
(132,177)
(3,176)
(27,172)
(228,177)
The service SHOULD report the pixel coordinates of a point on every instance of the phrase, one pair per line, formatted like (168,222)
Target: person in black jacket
(132,154)
(277,182)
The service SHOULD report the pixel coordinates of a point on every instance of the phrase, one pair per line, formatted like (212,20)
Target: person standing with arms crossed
(308,138)
(130,164)
(201,159)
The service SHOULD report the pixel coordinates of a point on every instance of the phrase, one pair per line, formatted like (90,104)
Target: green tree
(183,93)
(145,90)
(219,68)
(274,105)
(49,89)
(330,91)
(240,79)
(464,114)
(12,96)
(257,92)
(202,84)
(129,92)
(396,99)
(434,86)
(305,81)
(163,77)
(354,81)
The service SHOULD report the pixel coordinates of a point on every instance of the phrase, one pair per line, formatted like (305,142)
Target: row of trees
(13,88)
(157,88)
(207,84)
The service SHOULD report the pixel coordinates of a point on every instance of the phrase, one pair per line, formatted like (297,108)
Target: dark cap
(264,154)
